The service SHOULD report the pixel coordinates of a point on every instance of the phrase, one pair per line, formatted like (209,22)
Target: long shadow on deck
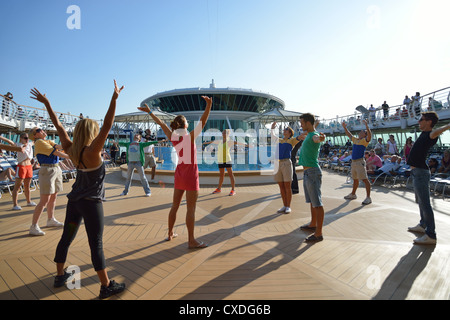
(231,281)
(399,282)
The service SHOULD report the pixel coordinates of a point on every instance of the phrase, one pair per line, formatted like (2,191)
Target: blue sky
(324,56)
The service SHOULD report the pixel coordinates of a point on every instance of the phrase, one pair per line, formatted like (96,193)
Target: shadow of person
(401,279)
(244,274)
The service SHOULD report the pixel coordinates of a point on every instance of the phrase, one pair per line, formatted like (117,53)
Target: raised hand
(36,95)
(116,90)
(322,137)
(208,100)
(145,108)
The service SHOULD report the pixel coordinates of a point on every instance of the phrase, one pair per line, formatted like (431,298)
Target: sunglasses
(38,130)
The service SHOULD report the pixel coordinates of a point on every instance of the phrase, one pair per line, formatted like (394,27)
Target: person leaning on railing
(7,98)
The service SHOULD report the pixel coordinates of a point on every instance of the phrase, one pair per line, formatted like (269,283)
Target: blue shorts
(312,183)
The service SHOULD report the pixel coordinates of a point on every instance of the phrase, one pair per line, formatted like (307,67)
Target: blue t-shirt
(359,147)
(285,147)
(44,150)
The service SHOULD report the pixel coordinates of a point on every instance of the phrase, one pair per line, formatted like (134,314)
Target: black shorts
(225,165)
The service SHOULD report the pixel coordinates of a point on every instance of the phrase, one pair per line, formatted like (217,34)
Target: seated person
(345,155)
(388,167)
(346,158)
(374,162)
(334,157)
(6,174)
(445,163)
(433,165)
(403,170)
(35,164)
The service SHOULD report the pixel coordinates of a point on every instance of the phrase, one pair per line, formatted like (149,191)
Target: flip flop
(173,237)
(201,245)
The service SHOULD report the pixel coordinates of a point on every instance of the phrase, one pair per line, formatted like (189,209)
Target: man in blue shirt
(283,167)
(359,171)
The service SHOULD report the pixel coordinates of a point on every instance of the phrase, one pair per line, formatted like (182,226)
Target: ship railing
(434,101)
(24,117)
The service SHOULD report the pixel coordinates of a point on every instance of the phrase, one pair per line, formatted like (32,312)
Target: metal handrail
(440,101)
(13,113)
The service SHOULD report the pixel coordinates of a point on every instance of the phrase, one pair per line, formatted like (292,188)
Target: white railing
(435,101)
(24,117)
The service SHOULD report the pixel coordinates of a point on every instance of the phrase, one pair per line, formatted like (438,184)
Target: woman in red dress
(186,173)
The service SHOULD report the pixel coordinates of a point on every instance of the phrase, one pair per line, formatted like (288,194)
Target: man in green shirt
(136,160)
(312,175)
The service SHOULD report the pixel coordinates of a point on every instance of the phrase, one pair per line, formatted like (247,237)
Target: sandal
(173,237)
(313,238)
(201,245)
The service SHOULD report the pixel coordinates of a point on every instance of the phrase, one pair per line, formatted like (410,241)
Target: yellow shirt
(223,154)
(44,150)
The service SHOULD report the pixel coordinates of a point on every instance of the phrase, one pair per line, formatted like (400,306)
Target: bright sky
(324,56)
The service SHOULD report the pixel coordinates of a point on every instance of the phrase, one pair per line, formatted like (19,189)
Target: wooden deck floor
(253,253)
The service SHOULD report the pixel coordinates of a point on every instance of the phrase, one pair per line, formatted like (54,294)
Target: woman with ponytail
(88,192)
(186,173)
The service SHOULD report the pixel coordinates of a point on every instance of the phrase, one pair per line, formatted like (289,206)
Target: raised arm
(158,121)
(7,141)
(203,119)
(63,136)
(436,133)
(319,138)
(369,132)
(12,148)
(61,154)
(99,142)
(348,133)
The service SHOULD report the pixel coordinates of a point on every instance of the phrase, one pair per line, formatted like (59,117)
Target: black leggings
(92,214)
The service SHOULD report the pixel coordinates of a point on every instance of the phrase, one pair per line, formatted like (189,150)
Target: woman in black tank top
(85,200)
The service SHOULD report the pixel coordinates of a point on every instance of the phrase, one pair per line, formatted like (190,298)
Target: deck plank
(253,254)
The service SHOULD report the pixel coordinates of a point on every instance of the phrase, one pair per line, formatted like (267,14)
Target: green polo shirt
(309,153)
(141,156)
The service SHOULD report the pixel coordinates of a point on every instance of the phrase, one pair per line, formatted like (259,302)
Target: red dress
(186,173)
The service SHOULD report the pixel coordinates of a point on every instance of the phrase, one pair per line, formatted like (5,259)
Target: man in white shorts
(50,179)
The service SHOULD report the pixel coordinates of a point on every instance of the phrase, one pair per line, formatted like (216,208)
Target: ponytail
(178,123)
